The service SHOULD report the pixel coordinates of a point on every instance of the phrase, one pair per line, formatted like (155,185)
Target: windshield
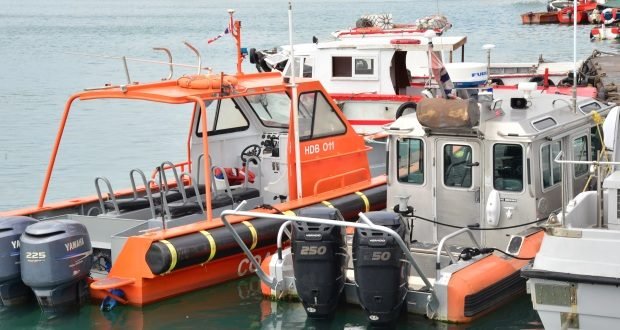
(272,109)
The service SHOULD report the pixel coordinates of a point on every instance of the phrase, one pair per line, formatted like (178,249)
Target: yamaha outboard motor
(56,260)
(319,261)
(12,289)
(381,269)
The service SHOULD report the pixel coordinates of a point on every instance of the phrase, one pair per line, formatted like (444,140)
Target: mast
(294,96)
(235,31)
(574,96)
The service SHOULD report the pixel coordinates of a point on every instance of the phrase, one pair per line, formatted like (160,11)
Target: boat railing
(442,246)
(147,187)
(599,191)
(275,284)
(111,195)
(340,177)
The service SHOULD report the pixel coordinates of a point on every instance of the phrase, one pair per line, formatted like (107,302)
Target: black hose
(477,228)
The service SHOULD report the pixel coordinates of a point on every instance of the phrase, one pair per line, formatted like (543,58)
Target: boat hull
(539,18)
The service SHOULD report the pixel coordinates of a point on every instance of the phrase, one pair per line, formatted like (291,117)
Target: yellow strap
(289,213)
(173,255)
(328,204)
(253,232)
(365,199)
(211,243)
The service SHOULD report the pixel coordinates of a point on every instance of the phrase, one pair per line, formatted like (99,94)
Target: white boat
(466,177)
(575,280)
(377,78)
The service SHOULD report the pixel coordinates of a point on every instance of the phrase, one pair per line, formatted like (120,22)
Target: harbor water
(42,62)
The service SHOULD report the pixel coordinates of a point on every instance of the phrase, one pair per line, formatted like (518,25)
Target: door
(457,186)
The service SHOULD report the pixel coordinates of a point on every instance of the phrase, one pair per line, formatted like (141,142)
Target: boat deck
(603,72)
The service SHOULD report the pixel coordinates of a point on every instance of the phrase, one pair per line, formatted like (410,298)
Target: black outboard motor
(56,260)
(12,289)
(381,270)
(319,260)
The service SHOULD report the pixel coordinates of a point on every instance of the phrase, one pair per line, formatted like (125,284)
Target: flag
(440,74)
(227,31)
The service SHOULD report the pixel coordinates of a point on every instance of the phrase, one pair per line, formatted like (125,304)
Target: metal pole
(295,105)
(126,70)
(599,198)
(574,97)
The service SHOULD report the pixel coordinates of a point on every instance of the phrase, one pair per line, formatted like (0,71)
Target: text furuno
(74,245)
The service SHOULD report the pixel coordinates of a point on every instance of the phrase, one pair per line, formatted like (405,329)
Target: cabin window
(273,109)
(457,169)
(223,116)
(317,118)
(580,152)
(410,161)
(342,66)
(544,123)
(508,167)
(308,67)
(551,171)
(356,67)
(364,66)
(303,65)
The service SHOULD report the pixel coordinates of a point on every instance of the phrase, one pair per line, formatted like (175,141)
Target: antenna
(488,48)
(235,31)
(295,105)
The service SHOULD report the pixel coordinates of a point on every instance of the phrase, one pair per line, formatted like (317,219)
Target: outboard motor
(12,289)
(381,269)
(56,260)
(319,261)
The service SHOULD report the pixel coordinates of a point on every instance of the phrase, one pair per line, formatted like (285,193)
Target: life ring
(403,107)
(206,81)
(609,15)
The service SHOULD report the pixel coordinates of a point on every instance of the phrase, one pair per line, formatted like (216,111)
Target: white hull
(596,306)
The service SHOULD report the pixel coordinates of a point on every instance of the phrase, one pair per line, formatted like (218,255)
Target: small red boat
(539,18)
(565,16)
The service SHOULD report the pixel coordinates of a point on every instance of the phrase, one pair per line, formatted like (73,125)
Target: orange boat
(164,238)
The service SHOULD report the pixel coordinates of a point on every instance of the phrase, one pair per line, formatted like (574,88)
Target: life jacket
(236,176)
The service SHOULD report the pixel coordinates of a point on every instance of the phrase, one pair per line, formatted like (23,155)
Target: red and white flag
(440,74)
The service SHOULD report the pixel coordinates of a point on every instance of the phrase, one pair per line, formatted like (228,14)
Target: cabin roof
(530,123)
(383,42)
(170,92)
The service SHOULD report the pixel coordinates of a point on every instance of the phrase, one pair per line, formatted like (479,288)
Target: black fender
(407,105)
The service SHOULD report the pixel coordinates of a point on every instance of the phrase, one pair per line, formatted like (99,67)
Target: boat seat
(127,204)
(179,208)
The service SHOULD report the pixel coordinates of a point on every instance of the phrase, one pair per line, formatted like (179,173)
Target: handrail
(167,51)
(279,239)
(272,282)
(110,194)
(442,246)
(196,190)
(180,165)
(180,185)
(149,195)
(341,176)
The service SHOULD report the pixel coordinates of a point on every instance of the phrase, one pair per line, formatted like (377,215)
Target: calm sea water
(38,74)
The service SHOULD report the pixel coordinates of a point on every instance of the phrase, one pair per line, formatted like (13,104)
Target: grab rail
(110,194)
(276,285)
(180,165)
(180,185)
(315,188)
(149,195)
(442,246)
(196,190)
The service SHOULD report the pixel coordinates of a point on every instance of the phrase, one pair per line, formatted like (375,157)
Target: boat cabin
(496,168)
